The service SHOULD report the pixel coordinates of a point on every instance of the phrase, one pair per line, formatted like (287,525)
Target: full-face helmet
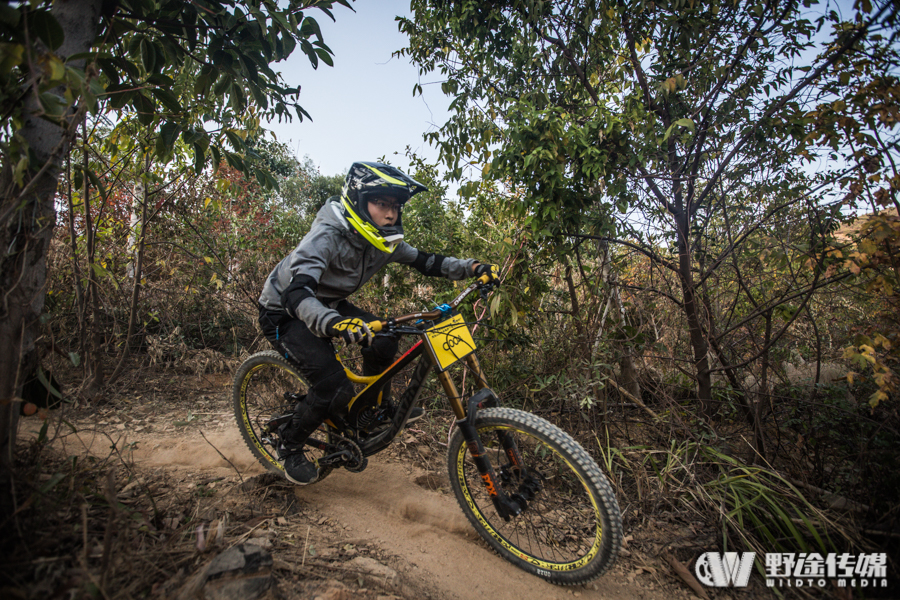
(367,180)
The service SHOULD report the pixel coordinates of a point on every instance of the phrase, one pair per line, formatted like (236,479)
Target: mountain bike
(530,490)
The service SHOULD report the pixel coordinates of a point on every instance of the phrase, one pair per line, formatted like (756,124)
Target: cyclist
(304,300)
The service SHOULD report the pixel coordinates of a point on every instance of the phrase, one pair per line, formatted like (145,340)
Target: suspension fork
(507,441)
(505,507)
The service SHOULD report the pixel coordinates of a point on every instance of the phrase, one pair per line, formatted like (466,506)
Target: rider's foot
(391,409)
(299,469)
(416,414)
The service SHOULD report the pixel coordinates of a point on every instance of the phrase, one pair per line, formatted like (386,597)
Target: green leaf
(53,105)
(195,137)
(42,377)
(221,87)
(685,123)
(168,134)
(168,99)
(118,97)
(51,483)
(161,80)
(199,158)
(110,69)
(45,26)
(10,56)
(145,108)
(95,181)
(236,142)
(679,123)
(148,55)
(310,27)
(326,58)
(99,271)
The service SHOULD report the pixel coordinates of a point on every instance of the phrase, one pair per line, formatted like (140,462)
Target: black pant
(330,391)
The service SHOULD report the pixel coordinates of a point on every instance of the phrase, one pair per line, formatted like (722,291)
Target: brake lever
(486,288)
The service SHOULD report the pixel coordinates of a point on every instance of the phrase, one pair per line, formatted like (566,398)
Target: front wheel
(260,394)
(570,532)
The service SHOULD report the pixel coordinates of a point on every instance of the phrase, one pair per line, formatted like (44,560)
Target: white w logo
(722,570)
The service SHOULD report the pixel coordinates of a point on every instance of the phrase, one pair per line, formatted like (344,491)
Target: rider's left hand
(492,271)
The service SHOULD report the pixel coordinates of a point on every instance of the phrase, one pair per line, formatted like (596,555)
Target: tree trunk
(698,340)
(138,232)
(93,343)
(27,218)
(629,378)
(137,201)
(80,306)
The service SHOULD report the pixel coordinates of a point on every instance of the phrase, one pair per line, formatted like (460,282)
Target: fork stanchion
(452,394)
(475,366)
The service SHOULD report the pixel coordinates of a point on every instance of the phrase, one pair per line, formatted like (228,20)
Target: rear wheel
(260,395)
(570,531)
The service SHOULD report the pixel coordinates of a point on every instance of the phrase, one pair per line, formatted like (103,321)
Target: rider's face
(384,210)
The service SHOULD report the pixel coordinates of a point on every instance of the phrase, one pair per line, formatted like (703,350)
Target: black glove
(352,330)
(492,271)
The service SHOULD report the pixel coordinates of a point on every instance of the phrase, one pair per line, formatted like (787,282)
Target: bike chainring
(357,462)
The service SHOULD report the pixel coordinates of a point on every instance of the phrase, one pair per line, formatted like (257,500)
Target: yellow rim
(550,566)
(245,413)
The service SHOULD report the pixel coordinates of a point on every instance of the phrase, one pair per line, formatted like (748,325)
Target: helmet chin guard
(368,180)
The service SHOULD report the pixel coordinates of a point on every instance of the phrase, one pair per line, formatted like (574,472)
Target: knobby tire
(571,530)
(258,395)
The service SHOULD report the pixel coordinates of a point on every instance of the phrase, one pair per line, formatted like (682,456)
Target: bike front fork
(507,504)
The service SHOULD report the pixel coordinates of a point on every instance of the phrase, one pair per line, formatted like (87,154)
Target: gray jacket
(332,261)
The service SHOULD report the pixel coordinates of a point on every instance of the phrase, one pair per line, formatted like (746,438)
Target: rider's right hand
(352,330)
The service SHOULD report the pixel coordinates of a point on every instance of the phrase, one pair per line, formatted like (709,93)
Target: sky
(363,107)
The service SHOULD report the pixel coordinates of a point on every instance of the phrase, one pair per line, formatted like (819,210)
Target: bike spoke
(559,525)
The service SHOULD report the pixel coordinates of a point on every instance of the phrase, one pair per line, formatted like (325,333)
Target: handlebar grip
(374,326)
(484,279)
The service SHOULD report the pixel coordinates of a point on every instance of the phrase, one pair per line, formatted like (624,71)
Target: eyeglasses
(386,205)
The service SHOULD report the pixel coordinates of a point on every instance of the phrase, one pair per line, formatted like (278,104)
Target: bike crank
(343,452)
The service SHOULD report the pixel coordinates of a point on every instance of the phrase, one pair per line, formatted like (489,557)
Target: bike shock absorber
(367,417)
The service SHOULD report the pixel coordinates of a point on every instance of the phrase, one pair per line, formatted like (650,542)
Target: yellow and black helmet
(370,179)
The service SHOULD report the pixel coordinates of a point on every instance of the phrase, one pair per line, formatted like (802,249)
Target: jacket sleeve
(433,265)
(306,264)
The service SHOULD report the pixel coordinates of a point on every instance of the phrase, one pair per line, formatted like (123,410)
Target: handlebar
(482,283)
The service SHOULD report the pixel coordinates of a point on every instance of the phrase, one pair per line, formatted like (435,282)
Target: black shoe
(416,414)
(299,469)
(391,409)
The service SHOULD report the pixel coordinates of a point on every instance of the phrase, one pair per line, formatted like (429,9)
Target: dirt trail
(428,529)
(383,506)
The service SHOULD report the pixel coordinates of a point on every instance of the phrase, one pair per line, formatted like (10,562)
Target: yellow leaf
(57,68)
(207,259)
(877,397)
